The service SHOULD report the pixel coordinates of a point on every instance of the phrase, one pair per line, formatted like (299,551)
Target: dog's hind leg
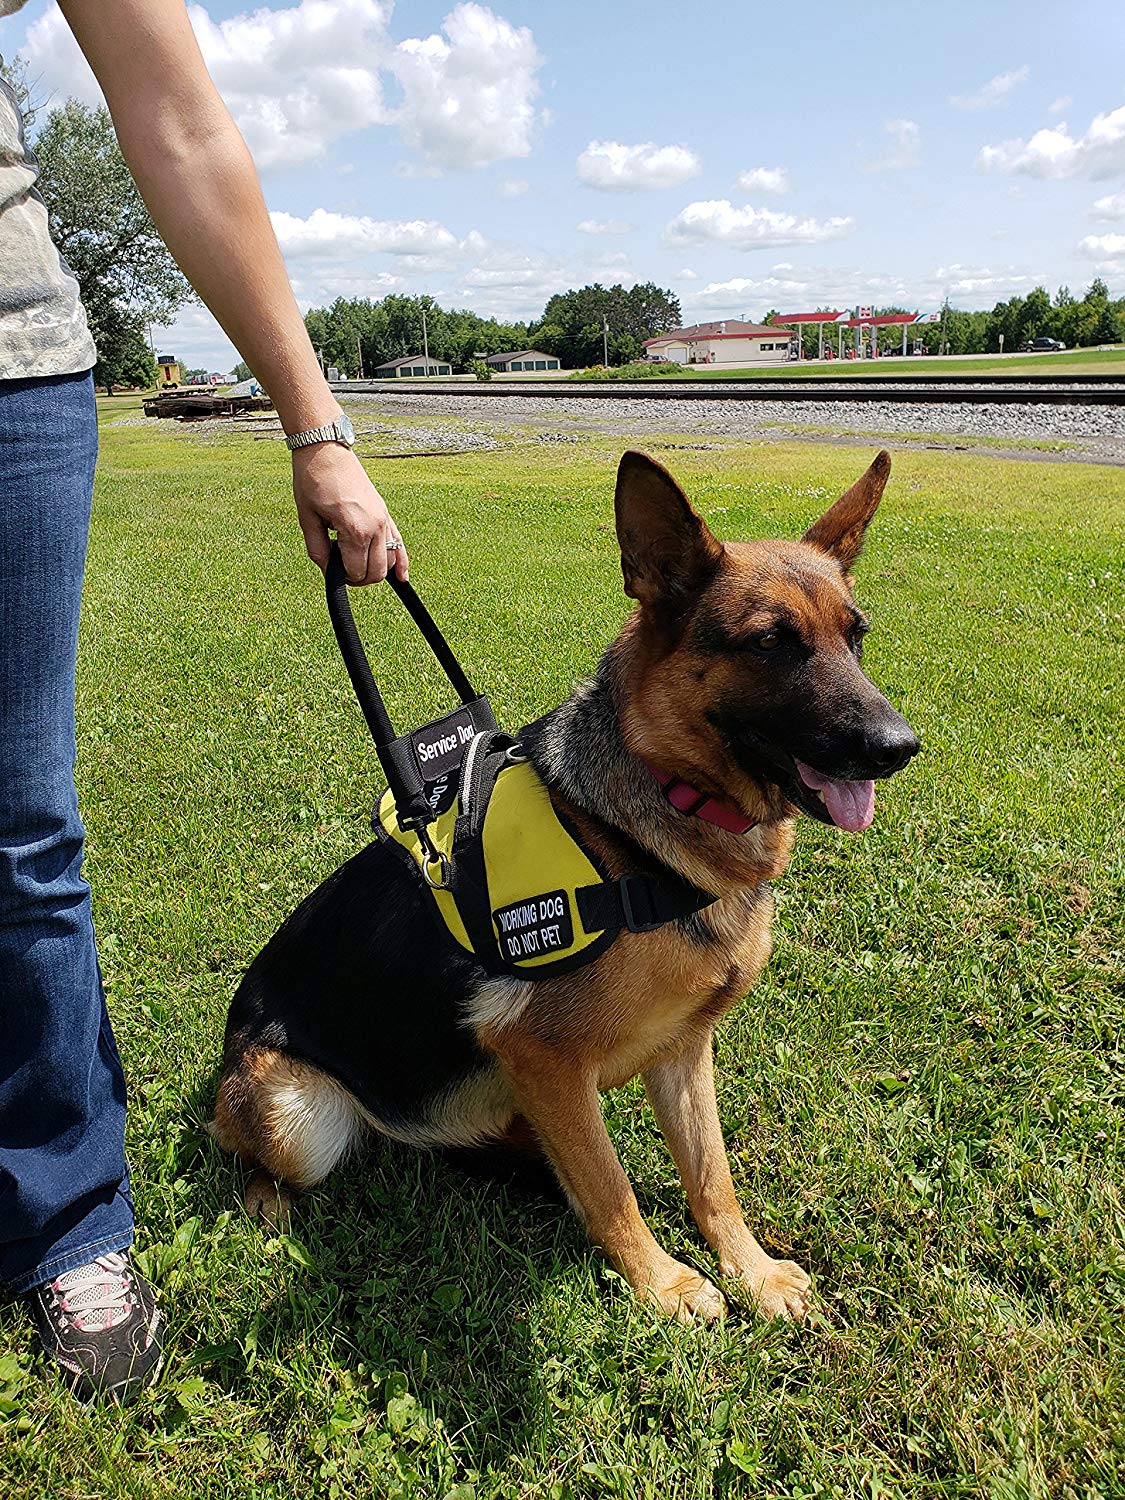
(288,1118)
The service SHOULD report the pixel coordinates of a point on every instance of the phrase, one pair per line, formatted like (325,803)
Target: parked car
(1042,345)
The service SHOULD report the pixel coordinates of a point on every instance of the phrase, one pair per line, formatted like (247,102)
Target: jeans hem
(82,1256)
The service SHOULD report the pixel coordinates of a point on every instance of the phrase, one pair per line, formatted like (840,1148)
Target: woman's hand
(333,492)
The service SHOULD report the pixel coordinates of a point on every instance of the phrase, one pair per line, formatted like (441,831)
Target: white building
(725,345)
(412,364)
(522,360)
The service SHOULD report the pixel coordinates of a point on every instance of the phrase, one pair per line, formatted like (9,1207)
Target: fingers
(355,549)
(378,557)
(317,542)
(401,556)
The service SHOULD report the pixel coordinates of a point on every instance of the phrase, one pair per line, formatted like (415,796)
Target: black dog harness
(469,815)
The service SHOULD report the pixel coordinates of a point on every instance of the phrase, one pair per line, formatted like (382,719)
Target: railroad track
(1001,390)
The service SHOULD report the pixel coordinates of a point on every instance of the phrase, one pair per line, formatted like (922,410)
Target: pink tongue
(850,804)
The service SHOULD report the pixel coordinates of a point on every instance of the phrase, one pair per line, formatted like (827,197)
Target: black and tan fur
(360,1015)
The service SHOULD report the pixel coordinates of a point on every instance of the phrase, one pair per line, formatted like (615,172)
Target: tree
(242,371)
(573,323)
(14,74)
(1110,327)
(103,229)
(386,330)
(124,358)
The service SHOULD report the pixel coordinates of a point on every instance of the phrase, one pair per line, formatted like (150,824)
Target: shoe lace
(96,1297)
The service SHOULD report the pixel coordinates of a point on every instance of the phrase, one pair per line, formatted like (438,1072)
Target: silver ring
(394,546)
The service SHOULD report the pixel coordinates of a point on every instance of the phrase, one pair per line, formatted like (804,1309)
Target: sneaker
(101,1325)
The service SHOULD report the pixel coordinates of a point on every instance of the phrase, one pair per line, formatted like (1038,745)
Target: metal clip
(434,856)
(446,871)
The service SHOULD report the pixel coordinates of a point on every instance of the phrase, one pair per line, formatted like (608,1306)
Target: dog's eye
(769,641)
(856,638)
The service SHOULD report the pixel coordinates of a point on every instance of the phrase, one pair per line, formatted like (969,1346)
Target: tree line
(1095,318)
(580,327)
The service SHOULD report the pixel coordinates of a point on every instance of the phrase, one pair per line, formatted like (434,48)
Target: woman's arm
(196,176)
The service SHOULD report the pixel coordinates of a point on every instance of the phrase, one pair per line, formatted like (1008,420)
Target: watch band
(329,432)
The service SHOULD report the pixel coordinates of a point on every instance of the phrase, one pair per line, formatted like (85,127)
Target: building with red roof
(729,342)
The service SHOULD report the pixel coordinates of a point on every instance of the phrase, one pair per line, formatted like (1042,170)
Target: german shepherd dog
(739,672)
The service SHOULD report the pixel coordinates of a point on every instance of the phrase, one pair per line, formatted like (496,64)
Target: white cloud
(1055,153)
(1056,106)
(513,187)
(331,235)
(995,91)
(903,151)
(469,96)
(982,284)
(717,221)
(604,226)
(299,77)
(687,274)
(1110,208)
(764,180)
(317,284)
(614,168)
(509,281)
(1111,245)
(800,289)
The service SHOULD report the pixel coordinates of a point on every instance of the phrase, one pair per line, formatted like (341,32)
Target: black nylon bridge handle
(355,658)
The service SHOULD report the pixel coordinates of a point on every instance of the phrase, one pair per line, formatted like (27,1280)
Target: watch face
(344,426)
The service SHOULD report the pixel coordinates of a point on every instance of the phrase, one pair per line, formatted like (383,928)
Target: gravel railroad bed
(1097,431)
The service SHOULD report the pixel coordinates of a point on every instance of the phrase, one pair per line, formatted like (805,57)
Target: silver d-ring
(444,866)
(514,753)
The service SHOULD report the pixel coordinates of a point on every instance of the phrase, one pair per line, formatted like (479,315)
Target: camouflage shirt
(42,326)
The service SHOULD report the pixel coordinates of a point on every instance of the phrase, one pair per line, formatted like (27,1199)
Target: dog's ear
(839,532)
(667,551)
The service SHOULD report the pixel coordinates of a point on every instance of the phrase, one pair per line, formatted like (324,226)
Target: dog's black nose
(890,744)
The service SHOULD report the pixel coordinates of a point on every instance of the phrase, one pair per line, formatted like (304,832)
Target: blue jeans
(64,1189)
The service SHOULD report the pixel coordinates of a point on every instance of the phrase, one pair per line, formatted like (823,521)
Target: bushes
(481,369)
(641,370)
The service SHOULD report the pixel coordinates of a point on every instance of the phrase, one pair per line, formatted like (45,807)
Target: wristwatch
(339,431)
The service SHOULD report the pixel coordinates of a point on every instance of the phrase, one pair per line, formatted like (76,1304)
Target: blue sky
(748,156)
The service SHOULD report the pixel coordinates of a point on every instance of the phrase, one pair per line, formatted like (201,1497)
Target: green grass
(965,440)
(1071,362)
(922,1099)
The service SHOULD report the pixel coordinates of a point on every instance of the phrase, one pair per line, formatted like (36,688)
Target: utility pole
(425,339)
(605,341)
(359,351)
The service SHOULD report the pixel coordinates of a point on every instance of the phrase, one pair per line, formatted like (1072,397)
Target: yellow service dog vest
(509,878)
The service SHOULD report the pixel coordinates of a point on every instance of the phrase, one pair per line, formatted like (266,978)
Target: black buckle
(636,889)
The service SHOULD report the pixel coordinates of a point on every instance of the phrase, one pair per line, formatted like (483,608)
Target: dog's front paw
(779,1288)
(684,1295)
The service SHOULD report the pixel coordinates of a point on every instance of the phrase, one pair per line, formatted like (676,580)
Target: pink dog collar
(691,801)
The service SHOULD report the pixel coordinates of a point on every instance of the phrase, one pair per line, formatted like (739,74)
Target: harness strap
(638,903)
(412,763)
